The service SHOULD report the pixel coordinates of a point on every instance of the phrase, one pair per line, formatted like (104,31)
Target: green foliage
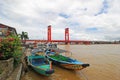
(1,70)
(24,35)
(11,47)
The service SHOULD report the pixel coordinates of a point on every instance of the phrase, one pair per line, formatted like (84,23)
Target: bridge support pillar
(66,35)
(49,34)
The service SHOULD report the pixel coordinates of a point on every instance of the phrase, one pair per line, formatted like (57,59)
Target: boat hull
(43,72)
(73,66)
(76,65)
(41,68)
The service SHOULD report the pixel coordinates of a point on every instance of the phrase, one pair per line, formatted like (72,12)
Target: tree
(24,37)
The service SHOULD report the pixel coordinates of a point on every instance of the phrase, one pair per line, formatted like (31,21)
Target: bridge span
(59,41)
(65,41)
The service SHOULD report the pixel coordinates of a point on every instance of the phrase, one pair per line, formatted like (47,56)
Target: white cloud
(34,16)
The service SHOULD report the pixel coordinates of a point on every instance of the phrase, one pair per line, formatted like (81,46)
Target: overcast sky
(86,19)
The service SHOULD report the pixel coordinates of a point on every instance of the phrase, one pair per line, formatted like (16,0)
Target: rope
(85,77)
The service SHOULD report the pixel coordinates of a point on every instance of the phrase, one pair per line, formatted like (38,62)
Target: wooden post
(50,65)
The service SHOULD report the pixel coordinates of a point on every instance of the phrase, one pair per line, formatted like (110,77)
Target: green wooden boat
(65,62)
(40,64)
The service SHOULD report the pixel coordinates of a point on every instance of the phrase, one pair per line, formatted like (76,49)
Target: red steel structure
(67,35)
(49,33)
(65,41)
(60,41)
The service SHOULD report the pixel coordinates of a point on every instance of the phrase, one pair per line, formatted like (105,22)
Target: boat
(65,62)
(38,51)
(40,64)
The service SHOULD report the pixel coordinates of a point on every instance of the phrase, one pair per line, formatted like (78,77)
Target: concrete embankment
(6,67)
(17,72)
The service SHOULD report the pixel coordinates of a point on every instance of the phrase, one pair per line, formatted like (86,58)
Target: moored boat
(40,64)
(65,62)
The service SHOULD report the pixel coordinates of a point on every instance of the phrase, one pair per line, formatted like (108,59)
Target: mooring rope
(85,77)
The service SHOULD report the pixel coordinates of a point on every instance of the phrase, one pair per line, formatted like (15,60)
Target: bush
(10,47)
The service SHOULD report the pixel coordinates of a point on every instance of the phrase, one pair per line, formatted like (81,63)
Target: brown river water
(104,63)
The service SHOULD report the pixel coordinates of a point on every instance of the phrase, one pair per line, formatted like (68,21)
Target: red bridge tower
(67,35)
(49,33)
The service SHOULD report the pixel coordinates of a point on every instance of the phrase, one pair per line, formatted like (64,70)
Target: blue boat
(40,64)
(65,62)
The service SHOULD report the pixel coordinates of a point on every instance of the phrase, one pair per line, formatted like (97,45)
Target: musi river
(104,63)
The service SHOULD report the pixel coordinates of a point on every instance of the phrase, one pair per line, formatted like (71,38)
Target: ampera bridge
(65,41)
